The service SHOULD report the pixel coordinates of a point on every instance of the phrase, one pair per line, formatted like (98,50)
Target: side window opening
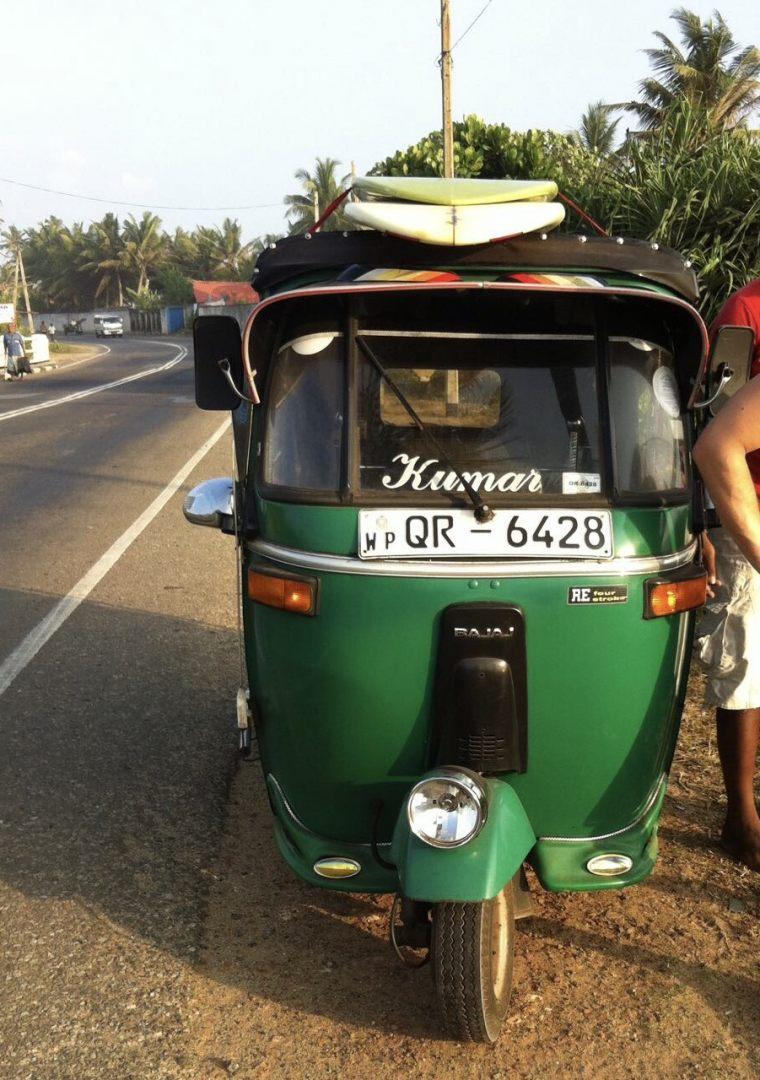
(649,440)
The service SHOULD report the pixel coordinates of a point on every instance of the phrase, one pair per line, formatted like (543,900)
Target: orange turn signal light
(287,594)
(672,597)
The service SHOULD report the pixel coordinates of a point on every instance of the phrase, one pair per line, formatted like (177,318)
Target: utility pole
(15,286)
(20,265)
(315,203)
(448,134)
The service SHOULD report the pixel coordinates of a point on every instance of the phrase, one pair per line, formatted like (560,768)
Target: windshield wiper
(482,511)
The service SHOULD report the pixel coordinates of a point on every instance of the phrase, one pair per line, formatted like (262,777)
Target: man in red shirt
(728,456)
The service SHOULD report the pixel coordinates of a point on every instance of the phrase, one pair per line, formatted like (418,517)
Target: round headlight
(448,809)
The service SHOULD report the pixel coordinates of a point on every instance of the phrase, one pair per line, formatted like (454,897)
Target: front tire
(473,956)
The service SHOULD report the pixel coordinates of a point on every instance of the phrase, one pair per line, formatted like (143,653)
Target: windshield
(517,414)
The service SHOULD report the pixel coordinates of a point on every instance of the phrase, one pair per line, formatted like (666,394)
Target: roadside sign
(7,313)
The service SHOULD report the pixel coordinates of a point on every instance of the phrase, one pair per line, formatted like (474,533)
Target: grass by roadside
(61,355)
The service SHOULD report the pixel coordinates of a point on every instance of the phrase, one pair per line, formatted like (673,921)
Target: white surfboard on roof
(441,191)
(456,225)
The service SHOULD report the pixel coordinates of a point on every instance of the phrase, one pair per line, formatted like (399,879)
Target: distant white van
(109,326)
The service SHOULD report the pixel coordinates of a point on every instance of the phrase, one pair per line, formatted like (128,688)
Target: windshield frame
(350,492)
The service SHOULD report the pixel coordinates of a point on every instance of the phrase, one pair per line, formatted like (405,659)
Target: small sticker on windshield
(581,483)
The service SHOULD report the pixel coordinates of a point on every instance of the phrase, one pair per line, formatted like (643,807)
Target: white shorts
(730,630)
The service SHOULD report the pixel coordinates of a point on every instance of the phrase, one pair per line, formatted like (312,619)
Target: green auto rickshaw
(466,521)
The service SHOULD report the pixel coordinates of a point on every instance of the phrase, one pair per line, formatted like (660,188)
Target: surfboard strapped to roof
(442,191)
(419,229)
(454,212)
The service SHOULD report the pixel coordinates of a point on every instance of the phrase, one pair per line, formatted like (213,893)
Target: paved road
(115,735)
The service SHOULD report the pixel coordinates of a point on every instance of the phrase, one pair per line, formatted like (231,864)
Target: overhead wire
(463,35)
(137,205)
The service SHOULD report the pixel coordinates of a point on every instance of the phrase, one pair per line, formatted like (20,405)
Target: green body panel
(333,529)
(561,864)
(479,869)
(301,849)
(344,698)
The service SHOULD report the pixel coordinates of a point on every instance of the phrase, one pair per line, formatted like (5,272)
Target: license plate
(431,534)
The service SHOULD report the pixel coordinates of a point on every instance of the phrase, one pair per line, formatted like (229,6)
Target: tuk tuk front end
(465,519)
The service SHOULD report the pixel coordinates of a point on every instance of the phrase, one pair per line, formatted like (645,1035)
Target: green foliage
(173,286)
(597,130)
(492,151)
(695,189)
(108,263)
(325,185)
(688,185)
(145,299)
(708,71)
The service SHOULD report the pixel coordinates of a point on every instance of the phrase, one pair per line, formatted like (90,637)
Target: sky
(187,103)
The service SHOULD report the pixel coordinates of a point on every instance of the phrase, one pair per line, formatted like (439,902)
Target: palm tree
(597,130)
(145,247)
(11,244)
(225,248)
(183,252)
(326,187)
(709,70)
(105,252)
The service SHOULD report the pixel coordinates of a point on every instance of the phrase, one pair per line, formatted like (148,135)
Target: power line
(462,36)
(137,205)
(466,32)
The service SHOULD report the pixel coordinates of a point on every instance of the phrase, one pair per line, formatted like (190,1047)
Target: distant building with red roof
(224,292)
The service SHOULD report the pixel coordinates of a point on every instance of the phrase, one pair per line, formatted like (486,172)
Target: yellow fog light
(609,865)
(337,868)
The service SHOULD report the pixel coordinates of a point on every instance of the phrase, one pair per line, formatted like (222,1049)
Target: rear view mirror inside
(216,338)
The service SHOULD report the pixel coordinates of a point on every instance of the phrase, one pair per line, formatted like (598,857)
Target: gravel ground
(658,980)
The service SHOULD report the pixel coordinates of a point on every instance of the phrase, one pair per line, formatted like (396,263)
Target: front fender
(478,870)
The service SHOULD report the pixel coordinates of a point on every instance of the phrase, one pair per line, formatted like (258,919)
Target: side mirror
(216,338)
(211,503)
(729,365)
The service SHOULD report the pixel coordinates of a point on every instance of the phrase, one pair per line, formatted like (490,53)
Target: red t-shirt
(743,309)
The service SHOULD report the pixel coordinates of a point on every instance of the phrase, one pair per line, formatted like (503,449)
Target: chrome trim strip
(468,568)
(618,832)
(306,829)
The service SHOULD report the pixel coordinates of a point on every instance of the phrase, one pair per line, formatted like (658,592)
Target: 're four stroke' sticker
(596,595)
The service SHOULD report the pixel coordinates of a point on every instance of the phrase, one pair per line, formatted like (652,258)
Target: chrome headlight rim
(469,782)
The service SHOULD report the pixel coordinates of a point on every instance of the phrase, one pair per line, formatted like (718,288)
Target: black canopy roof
(324,251)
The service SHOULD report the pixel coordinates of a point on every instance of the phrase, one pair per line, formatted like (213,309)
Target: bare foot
(743,843)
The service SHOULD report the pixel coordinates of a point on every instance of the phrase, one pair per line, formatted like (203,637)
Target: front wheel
(473,955)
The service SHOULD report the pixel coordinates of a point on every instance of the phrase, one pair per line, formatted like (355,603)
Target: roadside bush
(685,185)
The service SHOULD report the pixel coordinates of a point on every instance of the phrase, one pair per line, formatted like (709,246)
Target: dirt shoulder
(658,980)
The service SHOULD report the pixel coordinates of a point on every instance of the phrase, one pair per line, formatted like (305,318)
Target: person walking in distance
(16,352)
(728,456)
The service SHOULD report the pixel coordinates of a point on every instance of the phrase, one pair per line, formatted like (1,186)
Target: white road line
(96,389)
(85,359)
(15,663)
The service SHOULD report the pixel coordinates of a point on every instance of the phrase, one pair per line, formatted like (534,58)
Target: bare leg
(738,737)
